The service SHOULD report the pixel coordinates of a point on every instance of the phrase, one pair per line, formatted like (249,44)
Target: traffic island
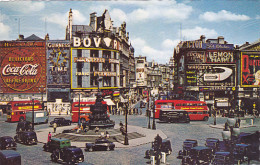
(136,135)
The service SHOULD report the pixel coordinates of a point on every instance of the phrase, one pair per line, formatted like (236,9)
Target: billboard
(58,66)
(213,75)
(22,67)
(250,69)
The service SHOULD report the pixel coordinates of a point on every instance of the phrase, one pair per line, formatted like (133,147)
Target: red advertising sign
(22,67)
(250,69)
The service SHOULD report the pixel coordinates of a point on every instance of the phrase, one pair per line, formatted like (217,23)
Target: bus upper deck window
(194,112)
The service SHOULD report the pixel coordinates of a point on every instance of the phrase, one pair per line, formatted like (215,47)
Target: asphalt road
(175,132)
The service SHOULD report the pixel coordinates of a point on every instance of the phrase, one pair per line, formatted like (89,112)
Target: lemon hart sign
(22,66)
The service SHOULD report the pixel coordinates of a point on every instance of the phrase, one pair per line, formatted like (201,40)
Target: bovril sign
(96,42)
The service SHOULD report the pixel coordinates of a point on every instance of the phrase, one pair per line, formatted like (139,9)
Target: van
(39,117)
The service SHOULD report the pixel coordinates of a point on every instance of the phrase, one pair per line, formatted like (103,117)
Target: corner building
(207,69)
(96,52)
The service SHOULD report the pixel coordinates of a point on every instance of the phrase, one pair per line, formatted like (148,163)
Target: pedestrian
(96,130)
(49,137)
(54,127)
(107,135)
(113,110)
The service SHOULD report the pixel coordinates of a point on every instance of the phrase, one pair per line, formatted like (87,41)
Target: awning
(109,102)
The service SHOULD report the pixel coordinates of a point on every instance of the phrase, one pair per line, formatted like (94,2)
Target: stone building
(207,70)
(98,51)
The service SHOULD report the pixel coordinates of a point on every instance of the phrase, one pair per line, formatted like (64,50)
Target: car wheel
(54,158)
(90,149)
(206,118)
(108,148)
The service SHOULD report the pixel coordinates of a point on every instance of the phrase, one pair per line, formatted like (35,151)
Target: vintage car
(242,152)
(60,121)
(174,116)
(165,147)
(10,157)
(222,158)
(26,137)
(212,143)
(23,126)
(56,143)
(69,155)
(187,145)
(7,142)
(100,144)
(198,155)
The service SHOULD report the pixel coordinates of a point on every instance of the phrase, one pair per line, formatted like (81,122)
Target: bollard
(152,160)
(252,121)
(163,160)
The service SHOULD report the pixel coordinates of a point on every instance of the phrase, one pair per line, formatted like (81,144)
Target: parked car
(56,143)
(222,158)
(212,143)
(7,142)
(165,147)
(242,152)
(27,137)
(187,145)
(100,144)
(69,155)
(23,126)
(60,121)
(10,157)
(198,155)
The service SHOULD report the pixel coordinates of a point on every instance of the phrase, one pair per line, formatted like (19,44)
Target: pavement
(136,135)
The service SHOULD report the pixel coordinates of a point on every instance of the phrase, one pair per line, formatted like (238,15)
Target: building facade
(100,55)
(141,74)
(207,69)
(23,69)
(58,76)
(249,77)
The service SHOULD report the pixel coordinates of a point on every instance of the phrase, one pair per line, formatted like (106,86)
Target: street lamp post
(41,88)
(126,112)
(79,110)
(33,112)
(148,110)
(153,126)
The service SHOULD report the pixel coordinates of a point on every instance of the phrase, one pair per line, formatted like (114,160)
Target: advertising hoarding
(23,66)
(250,69)
(58,53)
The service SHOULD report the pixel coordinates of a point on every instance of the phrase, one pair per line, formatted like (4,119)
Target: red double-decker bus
(16,110)
(84,110)
(197,110)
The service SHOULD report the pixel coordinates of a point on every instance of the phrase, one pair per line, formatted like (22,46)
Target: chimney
(93,21)
(221,40)
(202,38)
(21,37)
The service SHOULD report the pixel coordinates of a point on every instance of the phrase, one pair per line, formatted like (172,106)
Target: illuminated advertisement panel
(211,75)
(250,69)
(22,67)
(58,70)
(217,56)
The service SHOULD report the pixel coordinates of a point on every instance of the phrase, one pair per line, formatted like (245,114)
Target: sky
(155,27)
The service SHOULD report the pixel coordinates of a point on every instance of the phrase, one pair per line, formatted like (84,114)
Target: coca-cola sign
(22,67)
(25,70)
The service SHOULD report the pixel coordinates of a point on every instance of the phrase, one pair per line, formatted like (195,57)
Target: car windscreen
(77,151)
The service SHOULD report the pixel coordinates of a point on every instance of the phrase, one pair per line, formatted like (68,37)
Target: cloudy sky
(155,27)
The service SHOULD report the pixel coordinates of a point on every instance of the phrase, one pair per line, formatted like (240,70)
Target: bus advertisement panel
(197,110)
(84,110)
(16,110)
